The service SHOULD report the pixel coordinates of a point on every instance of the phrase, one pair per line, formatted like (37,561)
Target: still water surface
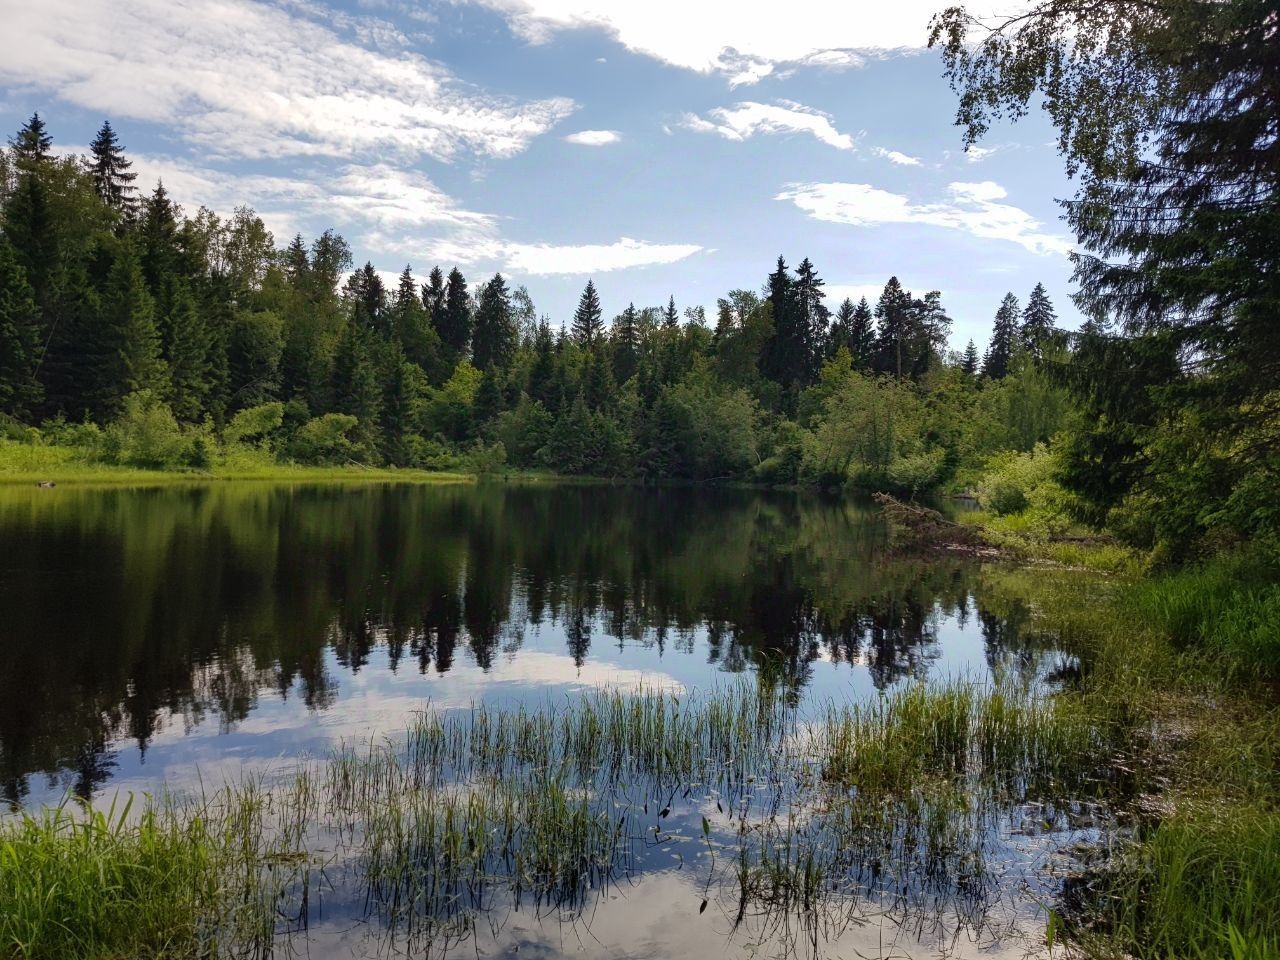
(169,635)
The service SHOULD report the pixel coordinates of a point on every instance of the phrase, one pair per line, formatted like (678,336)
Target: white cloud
(900,158)
(243,78)
(974,208)
(748,118)
(978,154)
(594,138)
(743,41)
(544,259)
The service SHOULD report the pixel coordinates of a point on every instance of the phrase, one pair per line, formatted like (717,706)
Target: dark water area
(151,635)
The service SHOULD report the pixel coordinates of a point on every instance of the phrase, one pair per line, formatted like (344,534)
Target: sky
(660,148)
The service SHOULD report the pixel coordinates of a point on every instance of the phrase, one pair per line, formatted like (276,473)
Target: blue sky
(661,148)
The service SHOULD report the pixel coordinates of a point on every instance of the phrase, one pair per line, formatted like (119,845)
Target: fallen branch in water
(925,528)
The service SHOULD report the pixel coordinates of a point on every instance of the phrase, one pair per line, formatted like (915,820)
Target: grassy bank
(1189,659)
(24,463)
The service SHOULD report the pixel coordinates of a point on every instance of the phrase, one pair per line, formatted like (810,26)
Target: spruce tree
(398,409)
(841,327)
(112,177)
(626,344)
(433,297)
(587,319)
(20,391)
(811,321)
(413,330)
(30,228)
(488,403)
(862,336)
(129,356)
(782,355)
(297,267)
(1038,322)
(494,339)
(189,348)
(1004,335)
(969,362)
(32,144)
(670,318)
(356,388)
(366,296)
(158,233)
(330,258)
(542,374)
(454,322)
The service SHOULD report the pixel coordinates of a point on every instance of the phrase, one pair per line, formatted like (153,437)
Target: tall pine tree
(112,177)
(1039,322)
(454,322)
(1004,338)
(587,319)
(494,340)
(19,337)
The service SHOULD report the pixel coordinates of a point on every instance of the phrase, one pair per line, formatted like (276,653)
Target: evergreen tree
(398,408)
(488,402)
(929,332)
(969,362)
(367,296)
(542,374)
(32,233)
(811,321)
(1004,334)
(112,177)
(158,233)
(413,330)
(32,144)
(297,267)
(587,319)
(130,354)
(494,340)
(433,297)
(599,389)
(841,327)
(454,322)
(670,318)
(626,344)
(356,390)
(189,348)
(20,391)
(1038,322)
(862,336)
(782,356)
(894,330)
(330,258)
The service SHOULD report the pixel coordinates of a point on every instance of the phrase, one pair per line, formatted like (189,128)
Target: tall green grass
(554,803)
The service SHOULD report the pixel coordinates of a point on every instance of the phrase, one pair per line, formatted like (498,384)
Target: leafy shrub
(254,423)
(324,440)
(146,434)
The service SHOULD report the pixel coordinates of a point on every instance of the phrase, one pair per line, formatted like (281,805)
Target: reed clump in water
(554,803)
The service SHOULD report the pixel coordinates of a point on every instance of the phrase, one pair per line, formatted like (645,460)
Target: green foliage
(324,440)
(254,423)
(146,434)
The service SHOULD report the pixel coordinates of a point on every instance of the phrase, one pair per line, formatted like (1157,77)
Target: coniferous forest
(147,335)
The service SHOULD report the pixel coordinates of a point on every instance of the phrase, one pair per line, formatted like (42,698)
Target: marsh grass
(553,804)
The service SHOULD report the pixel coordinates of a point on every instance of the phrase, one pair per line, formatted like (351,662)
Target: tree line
(159,337)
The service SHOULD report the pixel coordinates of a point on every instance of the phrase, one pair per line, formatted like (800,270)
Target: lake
(180,637)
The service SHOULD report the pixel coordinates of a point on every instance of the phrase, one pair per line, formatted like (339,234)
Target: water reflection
(137,620)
